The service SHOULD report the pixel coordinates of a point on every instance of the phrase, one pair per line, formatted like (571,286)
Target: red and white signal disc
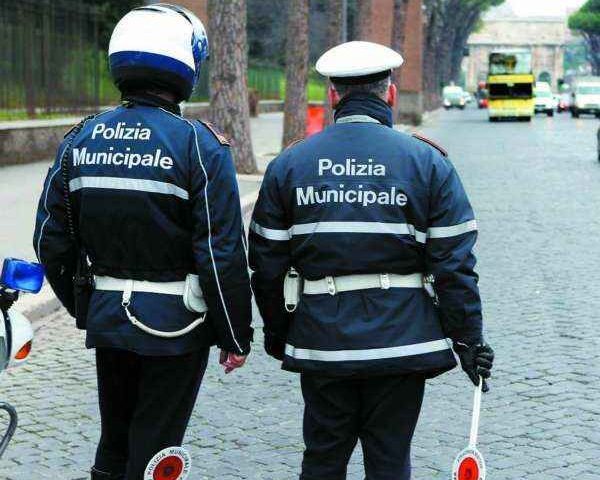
(172,463)
(469,465)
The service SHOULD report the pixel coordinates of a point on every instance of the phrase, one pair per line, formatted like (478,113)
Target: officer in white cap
(362,247)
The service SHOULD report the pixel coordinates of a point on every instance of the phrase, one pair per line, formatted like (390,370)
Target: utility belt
(295,286)
(189,290)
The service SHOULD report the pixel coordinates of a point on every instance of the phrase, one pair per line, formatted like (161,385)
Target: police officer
(361,243)
(151,199)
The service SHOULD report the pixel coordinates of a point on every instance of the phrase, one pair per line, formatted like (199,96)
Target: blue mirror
(22,276)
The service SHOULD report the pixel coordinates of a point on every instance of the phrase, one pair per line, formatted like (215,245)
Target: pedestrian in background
(140,231)
(362,249)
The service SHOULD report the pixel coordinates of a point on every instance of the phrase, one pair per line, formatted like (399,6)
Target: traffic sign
(469,464)
(172,463)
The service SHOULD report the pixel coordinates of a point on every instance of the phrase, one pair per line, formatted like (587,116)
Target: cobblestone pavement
(536,190)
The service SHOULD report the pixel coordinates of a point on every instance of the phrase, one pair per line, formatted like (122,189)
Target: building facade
(545,37)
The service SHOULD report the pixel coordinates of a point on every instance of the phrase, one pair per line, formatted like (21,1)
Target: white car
(544,102)
(586,98)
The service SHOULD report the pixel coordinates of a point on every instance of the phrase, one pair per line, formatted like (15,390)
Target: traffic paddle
(469,464)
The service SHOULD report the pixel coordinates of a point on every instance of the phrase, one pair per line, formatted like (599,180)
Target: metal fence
(50,60)
(52,63)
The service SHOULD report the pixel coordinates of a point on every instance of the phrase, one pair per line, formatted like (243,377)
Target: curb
(36,307)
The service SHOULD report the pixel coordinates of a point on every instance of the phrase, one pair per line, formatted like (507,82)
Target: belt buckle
(331,288)
(384,281)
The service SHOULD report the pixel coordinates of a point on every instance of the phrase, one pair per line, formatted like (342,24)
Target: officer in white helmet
(362,247)
(140,231)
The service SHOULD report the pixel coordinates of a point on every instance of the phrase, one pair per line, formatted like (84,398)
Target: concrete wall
(34,140)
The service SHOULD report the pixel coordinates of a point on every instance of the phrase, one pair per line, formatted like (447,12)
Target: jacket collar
(150,100)
(357,105)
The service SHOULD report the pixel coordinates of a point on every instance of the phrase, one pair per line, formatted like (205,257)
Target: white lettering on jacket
(351,168)
(121,156)
(128,159)
(121,132)
(357,195)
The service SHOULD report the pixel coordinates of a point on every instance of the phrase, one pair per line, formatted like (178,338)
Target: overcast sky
(544,7)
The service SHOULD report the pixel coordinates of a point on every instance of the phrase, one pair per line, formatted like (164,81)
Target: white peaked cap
(357,59)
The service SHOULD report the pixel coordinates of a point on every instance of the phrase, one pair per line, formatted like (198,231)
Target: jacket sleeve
(270,256)
(51,240)
(451,236)
(218,242)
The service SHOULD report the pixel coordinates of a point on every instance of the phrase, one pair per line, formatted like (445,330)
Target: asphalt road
(536,191)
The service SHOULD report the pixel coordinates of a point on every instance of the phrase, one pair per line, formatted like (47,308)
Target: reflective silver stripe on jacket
(135,184)
(452,231)
(358,227)
(368,354)
(270,233)
(363,227)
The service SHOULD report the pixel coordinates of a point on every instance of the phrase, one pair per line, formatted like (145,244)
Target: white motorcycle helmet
(158,46)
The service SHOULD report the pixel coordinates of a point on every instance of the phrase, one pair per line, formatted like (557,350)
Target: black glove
(274,346)
(476,360)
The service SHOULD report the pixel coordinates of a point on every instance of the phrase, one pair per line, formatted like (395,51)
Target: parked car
(453,97)
(586,97)
(544,101)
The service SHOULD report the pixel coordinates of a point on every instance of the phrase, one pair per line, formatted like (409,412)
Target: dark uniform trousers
(145,406)
(381,412)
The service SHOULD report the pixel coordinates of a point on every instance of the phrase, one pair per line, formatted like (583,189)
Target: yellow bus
(510,84)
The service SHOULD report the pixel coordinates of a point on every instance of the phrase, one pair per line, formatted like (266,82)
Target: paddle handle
(476,414)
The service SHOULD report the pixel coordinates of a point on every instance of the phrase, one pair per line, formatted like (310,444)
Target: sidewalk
(21,186)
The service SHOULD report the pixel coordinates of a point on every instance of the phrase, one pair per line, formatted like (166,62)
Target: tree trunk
(228,88)
(452,18)
(460,42)
(434,24)
(335,18)
(398,33)
(294,109)
(363,20)
(593,43)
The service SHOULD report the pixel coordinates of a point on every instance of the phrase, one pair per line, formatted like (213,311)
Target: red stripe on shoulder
(294,142)
(222,139)
(430,142)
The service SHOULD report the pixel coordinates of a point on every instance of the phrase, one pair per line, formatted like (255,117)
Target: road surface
(536,191)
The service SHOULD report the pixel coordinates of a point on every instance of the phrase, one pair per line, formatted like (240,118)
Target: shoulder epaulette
(294,142)
(79,124)
(70,130)
(430,142)
(222,139)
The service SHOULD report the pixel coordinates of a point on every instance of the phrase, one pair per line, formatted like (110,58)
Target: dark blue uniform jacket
(362,198)
(155,197)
